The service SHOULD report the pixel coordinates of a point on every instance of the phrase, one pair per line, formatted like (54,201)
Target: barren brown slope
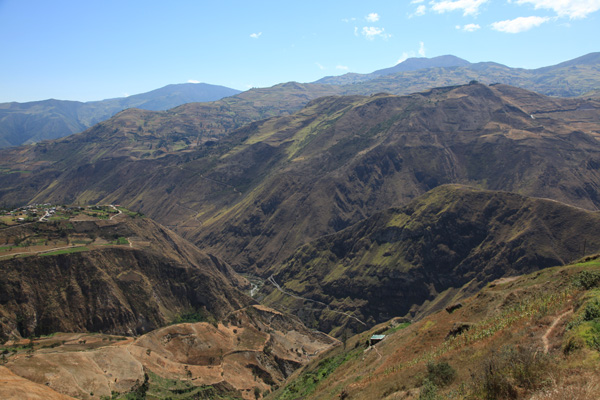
(414,260)
(256,195)
(252,351)
(147,282)
(15,387)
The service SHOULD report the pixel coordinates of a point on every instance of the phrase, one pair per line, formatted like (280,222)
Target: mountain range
(428,203)
(31,122)
(577,77)
(258,193)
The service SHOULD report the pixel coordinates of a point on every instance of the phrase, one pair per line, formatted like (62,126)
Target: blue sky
(92,50)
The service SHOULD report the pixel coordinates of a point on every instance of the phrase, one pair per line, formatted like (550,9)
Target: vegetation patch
(66,251)
(157,387)
(309,380)
(193,316)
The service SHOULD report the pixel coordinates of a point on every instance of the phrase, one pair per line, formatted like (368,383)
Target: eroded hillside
(122,274)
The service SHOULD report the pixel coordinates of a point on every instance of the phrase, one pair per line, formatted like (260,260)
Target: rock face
(421,258)
(128,289)
(255,348)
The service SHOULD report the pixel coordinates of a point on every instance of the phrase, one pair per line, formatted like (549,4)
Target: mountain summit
(416,63)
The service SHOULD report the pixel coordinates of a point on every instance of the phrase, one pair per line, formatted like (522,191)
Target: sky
(98,49)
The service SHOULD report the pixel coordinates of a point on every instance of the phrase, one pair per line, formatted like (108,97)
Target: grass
(121,241)
(66,251)
(157,387)
(132,214)
(397,328)
(307,383)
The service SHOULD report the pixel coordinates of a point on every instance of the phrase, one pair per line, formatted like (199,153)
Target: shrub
(428,391)
(572,344)
(440,374)
(587,279)
(504,372)
(592,310)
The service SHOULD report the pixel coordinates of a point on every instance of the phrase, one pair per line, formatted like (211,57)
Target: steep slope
(31,122)
(124,275)
(251,352)
(256,195)
(414,260)
(528,337)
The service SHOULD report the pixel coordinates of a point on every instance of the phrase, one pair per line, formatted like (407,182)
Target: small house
(376,339)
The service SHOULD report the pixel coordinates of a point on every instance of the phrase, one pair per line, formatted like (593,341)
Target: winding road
(271,279)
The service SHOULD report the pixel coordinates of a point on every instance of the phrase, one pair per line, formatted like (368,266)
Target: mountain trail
(545,339)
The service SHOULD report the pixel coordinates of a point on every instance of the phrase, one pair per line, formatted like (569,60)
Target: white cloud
(193,81)
(348,20)
(405,56)
(356,31)
(255,35)
(468,27)
(573,9)
(419,11)
(422,49)
(520,24)
(371,32)
(342,67)
(416,1)
(373,17)
(468,7)
(320,66)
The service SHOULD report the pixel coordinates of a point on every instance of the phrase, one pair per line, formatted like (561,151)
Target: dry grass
(575,387)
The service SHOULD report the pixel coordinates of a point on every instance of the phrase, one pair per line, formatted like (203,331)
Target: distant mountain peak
(416,63)
(410,64)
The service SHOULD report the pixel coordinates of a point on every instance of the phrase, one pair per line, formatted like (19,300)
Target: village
(48,229)
(53,212)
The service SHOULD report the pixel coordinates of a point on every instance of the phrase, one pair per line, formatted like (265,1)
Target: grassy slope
(414,260)
(508,320)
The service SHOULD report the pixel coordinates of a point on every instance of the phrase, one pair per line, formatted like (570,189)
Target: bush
(440,374)
(428,391)
(587,279)
(512,368)
(592,310)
